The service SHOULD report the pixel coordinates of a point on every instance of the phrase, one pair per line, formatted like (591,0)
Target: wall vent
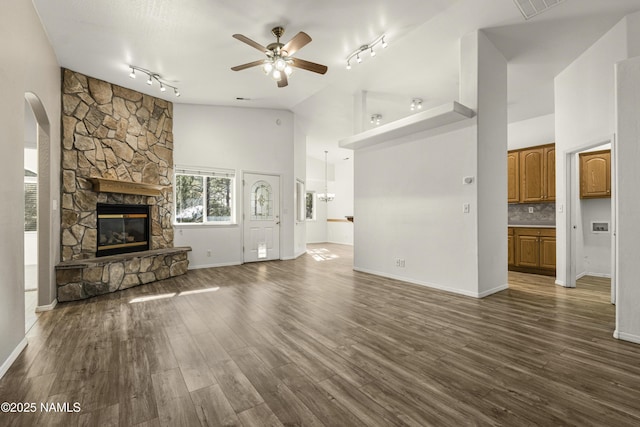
(531,8)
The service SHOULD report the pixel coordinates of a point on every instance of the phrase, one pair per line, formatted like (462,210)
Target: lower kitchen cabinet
(533,250)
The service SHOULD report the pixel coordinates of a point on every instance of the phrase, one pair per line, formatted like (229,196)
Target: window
(30,201)
(204,197)
(261,202)
(310,205)
(300,201)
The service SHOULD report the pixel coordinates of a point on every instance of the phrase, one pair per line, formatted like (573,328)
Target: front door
(261,217)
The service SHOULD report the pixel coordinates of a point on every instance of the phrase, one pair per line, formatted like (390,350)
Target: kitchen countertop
(531,226)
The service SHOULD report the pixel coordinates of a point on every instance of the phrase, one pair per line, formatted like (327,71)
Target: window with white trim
(204,196)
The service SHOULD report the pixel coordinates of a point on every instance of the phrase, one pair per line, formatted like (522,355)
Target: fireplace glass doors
(122,229)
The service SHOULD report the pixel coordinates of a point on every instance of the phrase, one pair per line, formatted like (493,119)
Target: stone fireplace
(117,151)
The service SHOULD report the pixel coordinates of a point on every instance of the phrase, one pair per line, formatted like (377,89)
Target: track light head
(132,74)
(151,77)
(348,65)
(149,81)
(373,52)
(384,43)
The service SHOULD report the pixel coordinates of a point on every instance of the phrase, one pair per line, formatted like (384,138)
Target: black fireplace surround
(122,229)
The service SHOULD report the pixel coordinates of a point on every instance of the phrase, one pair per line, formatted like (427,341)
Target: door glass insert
(261,201)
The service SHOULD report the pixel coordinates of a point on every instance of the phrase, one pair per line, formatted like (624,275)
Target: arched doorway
(37,129)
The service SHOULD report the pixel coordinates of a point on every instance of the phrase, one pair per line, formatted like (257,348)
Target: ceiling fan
(280,56)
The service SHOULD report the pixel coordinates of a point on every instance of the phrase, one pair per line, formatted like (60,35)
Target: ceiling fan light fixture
(267,67)
(280,56)
(280,64)
(416,104)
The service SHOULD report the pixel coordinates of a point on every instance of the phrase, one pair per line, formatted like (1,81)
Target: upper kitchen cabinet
(513,177)
(595,174)
(537,174)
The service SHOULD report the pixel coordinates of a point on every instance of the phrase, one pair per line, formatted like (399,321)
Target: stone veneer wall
(112,132)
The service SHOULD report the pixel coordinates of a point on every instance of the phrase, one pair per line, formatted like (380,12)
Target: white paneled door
(261,217)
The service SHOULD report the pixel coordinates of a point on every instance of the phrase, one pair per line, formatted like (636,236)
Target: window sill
(204,225)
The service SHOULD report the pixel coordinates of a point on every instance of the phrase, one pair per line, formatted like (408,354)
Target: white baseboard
(493,291)
(340,243)
(605,275)
(12,357)
(626,337)
(581,275)
(221,264)
(48,307)
(563,284)
(296,256)
(433,285)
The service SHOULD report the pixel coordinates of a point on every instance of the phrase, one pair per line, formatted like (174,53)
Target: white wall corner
(12,357)
(47,307)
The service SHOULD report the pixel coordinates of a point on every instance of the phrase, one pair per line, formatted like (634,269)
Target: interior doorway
(261,217)
(591,214)
(30,216)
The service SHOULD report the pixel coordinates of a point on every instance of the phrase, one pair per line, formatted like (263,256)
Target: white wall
(28,65)
(342,206)
(410,193)
(408,205)
(528,133)
(584,115)
(627,158)
(243,139)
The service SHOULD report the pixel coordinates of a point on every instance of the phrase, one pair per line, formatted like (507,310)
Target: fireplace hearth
(122,229)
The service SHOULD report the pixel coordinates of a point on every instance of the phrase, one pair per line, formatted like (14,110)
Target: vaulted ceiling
(189,43)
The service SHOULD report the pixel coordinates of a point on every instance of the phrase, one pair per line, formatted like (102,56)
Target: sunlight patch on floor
(173,294)
(322,254)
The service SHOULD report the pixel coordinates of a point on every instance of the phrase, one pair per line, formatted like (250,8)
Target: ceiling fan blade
(310,66)
(247,65)
(250,42)
(298,42)
(283,80)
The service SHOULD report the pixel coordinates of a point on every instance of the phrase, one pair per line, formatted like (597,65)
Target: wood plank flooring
(311,342)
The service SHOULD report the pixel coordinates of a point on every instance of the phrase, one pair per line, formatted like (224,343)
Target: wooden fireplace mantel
(103,185)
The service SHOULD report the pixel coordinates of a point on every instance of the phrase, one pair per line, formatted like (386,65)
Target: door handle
(278,223)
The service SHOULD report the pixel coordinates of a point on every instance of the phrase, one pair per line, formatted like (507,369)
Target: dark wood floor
(311,342)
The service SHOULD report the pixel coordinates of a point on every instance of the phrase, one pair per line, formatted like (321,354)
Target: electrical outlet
(466,208)
(400,263)
(530,209)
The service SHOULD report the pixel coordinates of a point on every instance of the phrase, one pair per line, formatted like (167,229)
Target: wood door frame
(572,196)
(244,208)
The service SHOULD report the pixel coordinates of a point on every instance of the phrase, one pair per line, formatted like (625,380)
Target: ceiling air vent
(531,8)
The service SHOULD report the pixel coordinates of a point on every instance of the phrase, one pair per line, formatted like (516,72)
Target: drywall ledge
(426,120)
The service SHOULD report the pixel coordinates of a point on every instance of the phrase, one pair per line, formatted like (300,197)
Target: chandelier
(326,196)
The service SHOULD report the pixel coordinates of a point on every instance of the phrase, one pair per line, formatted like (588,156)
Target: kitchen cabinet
(538,174)
(595,174)
(534,250)
(511,249)
(513,177)
(531,174)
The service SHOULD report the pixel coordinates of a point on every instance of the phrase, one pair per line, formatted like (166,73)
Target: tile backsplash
(543,214)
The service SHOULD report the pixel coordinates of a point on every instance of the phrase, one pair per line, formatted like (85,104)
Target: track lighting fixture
(416,104)
(365,47)
(151,77)
(376,118)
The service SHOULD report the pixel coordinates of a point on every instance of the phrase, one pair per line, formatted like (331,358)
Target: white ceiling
(189,43)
